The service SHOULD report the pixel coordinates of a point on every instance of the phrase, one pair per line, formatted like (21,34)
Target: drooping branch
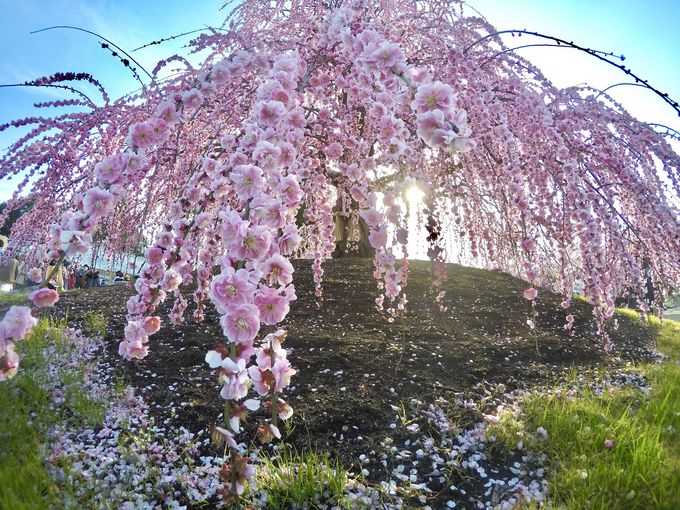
(106,45)
(600,55)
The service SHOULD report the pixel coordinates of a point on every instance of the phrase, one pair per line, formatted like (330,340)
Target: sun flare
(414,195)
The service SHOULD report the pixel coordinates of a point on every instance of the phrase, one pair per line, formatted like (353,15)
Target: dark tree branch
(106,45)
(600,55)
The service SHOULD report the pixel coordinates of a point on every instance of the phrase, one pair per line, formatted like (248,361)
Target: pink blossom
(289,240)
(395,148)
(134,349)
(266,154)
(222,436)
(152,324)
(247,181)
(17,323)
(166,239)
(160,129)
(530,294)
(244,471)
(272,89)
(284,410)
(168,112)
(73,220)
(234,378)
(358,193)
(289,190)
(141,136)
(262,378)
(241,323)
(97,202)
(154,255)
(136,332)
(528,244)
(277,269)
(372,217)
(268,378)
(334,150)
(433,96)
(9,362)
(192,98)
(288,154)
(171,280)
(266,432)
(231,287)
(378,238)
(34,274)
(269,112)
(253,245)
(234,228)
(271,349)
(282,372)
(354,172)
(43,297)
(272,305)
(110,170)
(433,128)
(75,242)
(289,63)
(388,56)
(267,211)
(135,305)
(245,351)
(531,275)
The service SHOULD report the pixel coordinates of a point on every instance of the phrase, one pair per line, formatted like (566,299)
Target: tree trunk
(345,245)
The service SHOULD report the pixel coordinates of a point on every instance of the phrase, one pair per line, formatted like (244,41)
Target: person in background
(120,277)
(64,275)
(31,283)
(89,278)
(56,281)
(9,273)
(81,276)
(71,278)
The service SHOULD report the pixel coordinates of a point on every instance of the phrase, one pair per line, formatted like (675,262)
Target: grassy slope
(641,467)
(26,417)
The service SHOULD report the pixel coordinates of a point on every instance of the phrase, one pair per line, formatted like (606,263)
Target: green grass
(292,478)
(641,470)
(25,419)
(13,298)
(94,324)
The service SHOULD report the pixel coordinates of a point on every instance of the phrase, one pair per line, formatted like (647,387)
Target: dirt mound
(353,365)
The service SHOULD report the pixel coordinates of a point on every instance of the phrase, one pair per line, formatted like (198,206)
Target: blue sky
(645,32)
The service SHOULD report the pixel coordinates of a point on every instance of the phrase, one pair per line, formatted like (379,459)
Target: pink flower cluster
(16,324)
(245,203)
(440,124)
(137,334)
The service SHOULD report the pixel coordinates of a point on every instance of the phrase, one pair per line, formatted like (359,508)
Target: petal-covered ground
(404,405)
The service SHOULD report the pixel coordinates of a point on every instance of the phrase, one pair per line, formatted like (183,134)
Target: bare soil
(354,365)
